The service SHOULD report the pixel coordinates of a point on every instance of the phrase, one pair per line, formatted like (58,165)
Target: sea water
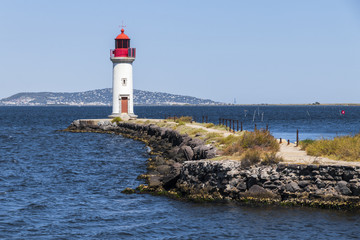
(61,185)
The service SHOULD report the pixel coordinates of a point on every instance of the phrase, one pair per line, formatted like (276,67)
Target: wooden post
(255,127)
(280,140)
(297,137)
(226,122)
(234,125)
(288,141)
(267,127)
(206,119)
(241,127)
(237,125)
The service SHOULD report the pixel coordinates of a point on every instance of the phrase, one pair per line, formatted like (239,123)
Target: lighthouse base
(124,116)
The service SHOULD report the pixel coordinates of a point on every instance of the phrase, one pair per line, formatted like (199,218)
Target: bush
(116,119)
(304,143)
(180,123)
(251,157)
(185,119)
(271,158)
(209,125)
(259,139)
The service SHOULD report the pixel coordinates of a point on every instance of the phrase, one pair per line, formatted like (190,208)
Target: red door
(124,105)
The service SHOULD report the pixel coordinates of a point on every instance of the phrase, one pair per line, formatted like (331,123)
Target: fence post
(288,142)
(297,137)
(255,127)
(234,125)
(267,127)
(237,125)
(206,119)
(280,140)
(241,127)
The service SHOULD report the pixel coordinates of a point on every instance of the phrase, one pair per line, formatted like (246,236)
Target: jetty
(187,161)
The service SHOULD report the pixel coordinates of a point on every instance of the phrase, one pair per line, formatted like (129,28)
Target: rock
(264,175)
(188,152)
(154,181)
(355,189)
(292,187)
(319,183)
(163,169)
(258,192)
(195,142)
(274,176)
(303,184)
(342,188)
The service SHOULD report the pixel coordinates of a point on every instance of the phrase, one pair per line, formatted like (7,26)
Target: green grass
(304,143)
(116,119)
(346,148)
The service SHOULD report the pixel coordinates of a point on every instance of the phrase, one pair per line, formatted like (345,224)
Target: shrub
(185,119)
(180,123)
(116,119)
(259,139)
(304,143)
(251,157)
(271,158)
(209,125)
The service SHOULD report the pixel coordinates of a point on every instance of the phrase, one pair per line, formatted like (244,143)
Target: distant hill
(99,97)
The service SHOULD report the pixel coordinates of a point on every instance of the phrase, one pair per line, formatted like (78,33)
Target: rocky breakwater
(169,149)
(283,184)
(180,166)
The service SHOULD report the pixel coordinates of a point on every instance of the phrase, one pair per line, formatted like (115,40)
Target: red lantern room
(122,47)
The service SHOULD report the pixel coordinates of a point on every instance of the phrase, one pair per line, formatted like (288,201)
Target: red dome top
(122,35)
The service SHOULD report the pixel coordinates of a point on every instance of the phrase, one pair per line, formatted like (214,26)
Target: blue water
(59,185)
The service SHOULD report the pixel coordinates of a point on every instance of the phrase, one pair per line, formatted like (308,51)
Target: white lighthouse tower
(122,57)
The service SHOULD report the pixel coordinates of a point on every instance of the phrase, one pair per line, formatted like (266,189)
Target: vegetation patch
(271,158)
(116,120)
(260,140)
(346,148)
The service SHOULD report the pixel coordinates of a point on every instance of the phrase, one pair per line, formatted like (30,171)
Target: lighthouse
(122,58)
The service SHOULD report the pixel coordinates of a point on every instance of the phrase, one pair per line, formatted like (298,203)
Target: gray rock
(342,188)
(154,181)
(319,183)
(355,189)
(292,187)
(188,152)
(274,176)
(303,184)
(163,169)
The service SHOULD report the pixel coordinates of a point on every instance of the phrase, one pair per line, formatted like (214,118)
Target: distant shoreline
(181,105)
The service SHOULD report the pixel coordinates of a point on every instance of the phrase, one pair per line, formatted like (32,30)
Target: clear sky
(256,51)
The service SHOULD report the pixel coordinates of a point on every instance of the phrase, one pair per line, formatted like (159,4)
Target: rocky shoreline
(181,167)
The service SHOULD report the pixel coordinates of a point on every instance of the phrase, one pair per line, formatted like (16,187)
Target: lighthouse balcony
(123,52)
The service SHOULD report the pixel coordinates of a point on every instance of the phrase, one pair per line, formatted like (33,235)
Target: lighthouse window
(123,81)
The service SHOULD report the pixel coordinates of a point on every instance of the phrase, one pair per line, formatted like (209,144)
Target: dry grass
(346,148)
(260,139)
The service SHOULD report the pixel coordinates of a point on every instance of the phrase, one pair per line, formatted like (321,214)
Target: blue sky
(258,51)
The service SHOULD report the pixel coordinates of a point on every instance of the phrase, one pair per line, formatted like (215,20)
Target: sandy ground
(292,154)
